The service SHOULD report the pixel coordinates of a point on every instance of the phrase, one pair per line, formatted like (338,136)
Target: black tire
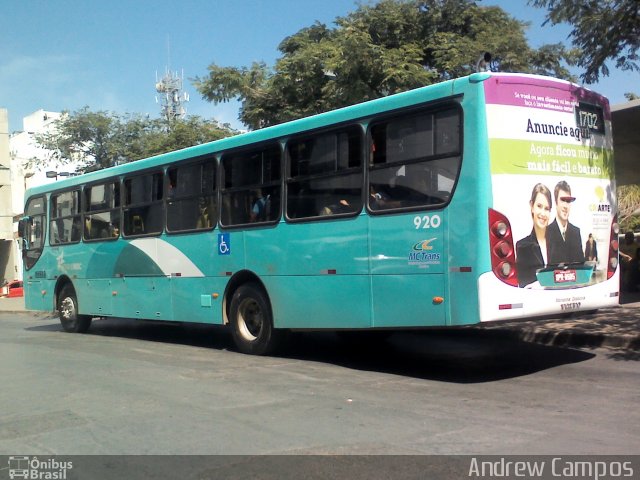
(70,319)
(251,321)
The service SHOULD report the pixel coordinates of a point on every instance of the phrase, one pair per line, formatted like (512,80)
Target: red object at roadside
(15,289)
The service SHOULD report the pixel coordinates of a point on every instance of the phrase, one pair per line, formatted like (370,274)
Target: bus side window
(325,174)
(66,223)
(415,160)
(191,197)
(251,186)
(102,211)
(143,208)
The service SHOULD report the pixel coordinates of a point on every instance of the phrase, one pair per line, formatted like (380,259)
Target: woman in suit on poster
(531,251)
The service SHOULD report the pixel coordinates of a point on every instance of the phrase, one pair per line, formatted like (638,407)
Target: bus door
(32,230)
(407,267)
(413,165)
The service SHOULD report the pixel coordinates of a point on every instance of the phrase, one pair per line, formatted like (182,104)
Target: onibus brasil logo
(32,468)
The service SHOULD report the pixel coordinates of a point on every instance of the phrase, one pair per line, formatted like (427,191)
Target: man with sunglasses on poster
(564,241)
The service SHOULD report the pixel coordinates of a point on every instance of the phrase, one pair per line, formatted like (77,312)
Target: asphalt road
(128,387)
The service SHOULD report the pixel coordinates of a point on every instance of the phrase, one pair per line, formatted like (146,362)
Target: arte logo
(602,205)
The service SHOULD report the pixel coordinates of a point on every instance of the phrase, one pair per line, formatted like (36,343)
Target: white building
(19,172)
(24,149)
(8,266)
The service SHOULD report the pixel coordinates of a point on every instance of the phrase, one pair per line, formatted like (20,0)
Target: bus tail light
(612,265)
(503,255)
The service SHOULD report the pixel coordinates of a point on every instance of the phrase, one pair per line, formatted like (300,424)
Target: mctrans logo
(32,468)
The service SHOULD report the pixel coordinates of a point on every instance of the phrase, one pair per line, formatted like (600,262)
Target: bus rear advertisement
(551,163)
(483,198)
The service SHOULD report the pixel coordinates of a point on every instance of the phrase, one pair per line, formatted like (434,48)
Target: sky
(66,54)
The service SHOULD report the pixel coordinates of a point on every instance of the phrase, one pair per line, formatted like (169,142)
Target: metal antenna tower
(171,96)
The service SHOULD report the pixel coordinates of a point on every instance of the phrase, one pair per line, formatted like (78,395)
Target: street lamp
(54,174)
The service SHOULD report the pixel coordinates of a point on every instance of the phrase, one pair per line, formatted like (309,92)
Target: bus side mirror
(24,225)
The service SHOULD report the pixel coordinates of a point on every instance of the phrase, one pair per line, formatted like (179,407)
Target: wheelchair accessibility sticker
(224,244)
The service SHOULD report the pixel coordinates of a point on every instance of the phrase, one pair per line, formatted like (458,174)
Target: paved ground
(612,327)
(137,388)
(179,390)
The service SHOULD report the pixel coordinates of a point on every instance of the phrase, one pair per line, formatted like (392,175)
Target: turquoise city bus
(476,199)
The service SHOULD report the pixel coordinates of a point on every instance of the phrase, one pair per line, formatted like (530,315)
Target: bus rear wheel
(70,319)
(251,321)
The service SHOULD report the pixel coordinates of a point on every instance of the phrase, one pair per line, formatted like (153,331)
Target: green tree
(602,30)
(96,140)
(628,207)
(377,50)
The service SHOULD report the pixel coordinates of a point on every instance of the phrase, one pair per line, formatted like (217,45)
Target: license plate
(564,276)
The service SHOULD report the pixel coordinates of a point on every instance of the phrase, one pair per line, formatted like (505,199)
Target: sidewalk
(15,304)
(617,327)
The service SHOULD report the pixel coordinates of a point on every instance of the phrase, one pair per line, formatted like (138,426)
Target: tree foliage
(96,140)
(628,206)
(377,50)
(602,30)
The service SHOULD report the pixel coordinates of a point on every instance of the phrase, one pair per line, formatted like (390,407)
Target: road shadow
(451,355)
(442,355)
(192,334)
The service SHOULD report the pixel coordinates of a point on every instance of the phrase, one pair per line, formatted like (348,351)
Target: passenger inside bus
(261,208)
(204,220)
(138,225)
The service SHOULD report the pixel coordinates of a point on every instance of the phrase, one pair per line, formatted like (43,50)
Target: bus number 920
(426,221)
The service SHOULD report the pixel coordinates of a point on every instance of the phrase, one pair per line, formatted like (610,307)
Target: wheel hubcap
(250,319)
(67,308)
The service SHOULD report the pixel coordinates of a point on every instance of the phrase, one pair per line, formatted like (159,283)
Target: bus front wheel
(251,321)
(70,319)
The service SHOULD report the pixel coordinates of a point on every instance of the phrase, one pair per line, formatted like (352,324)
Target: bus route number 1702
(426,221)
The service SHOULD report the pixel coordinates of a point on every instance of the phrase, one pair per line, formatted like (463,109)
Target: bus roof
(283,130)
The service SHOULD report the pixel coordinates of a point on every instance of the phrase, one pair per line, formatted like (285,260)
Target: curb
(568,338)
(617,327)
